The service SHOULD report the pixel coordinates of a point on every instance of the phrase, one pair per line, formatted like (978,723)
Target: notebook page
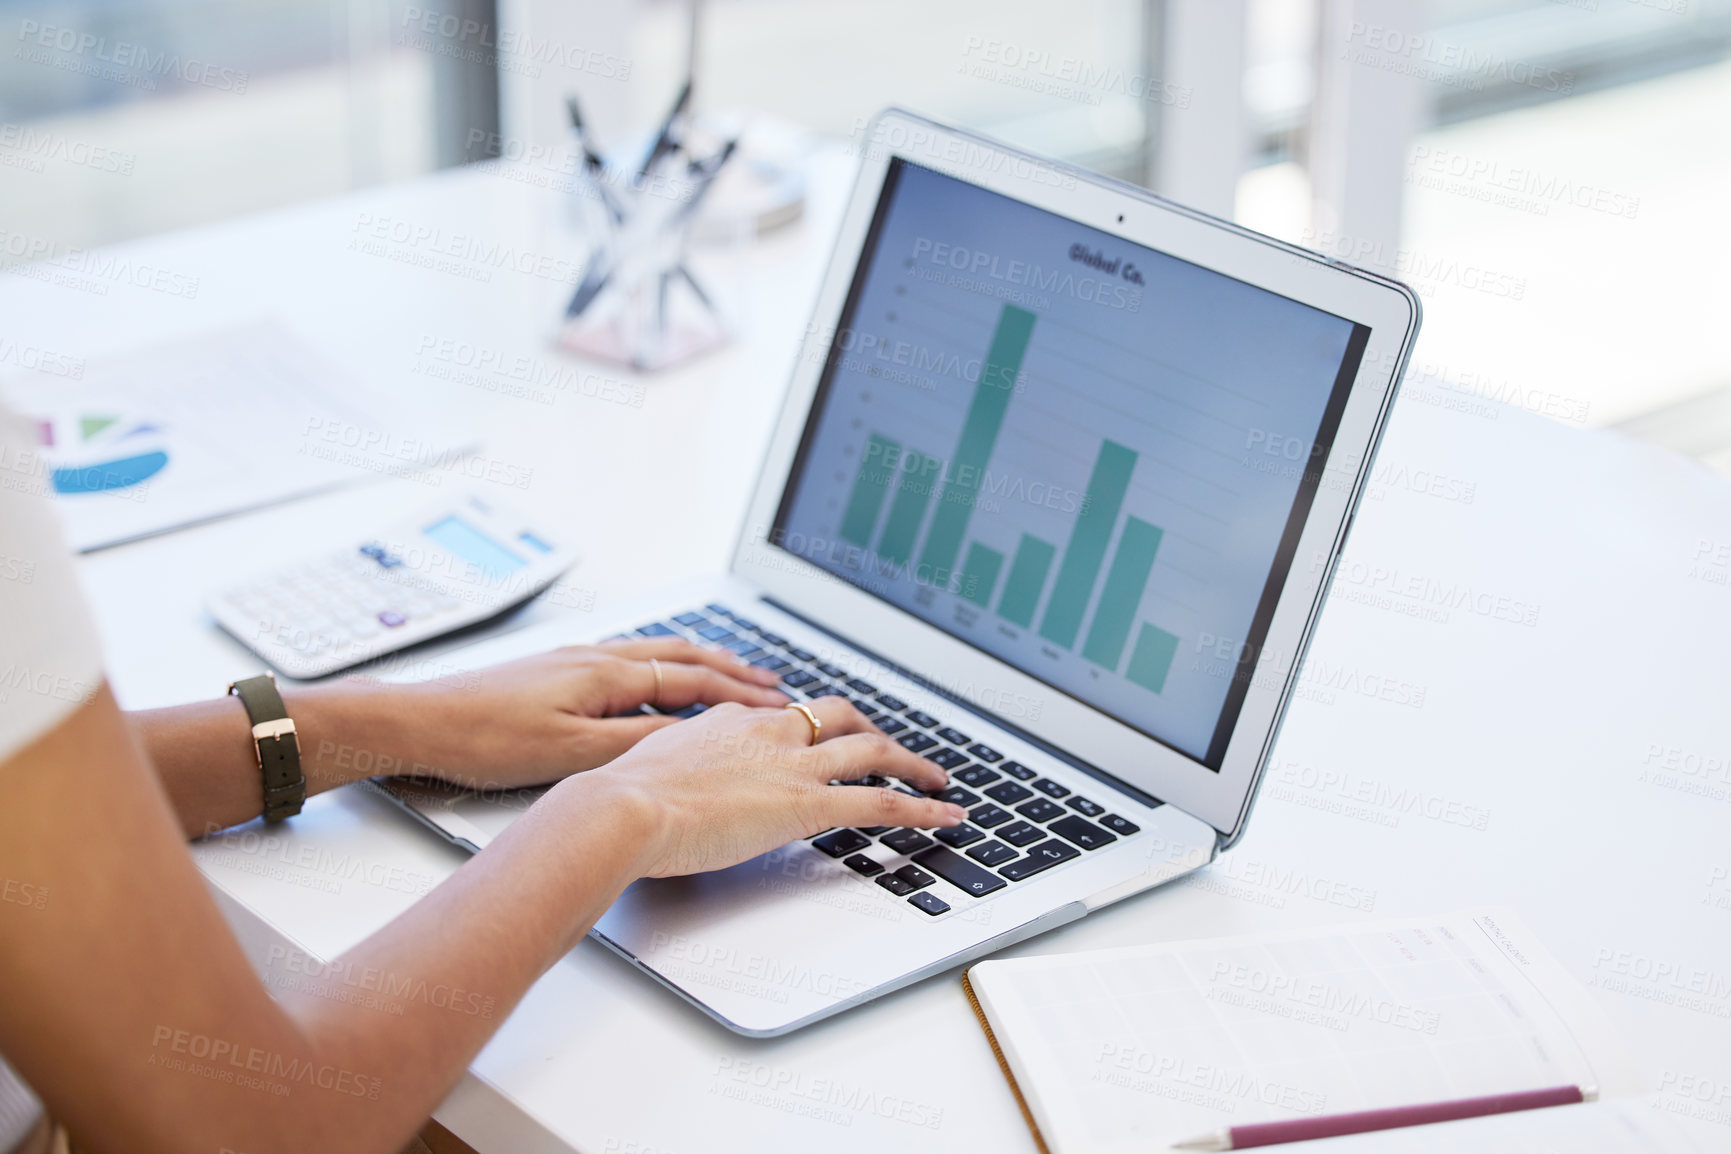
(1122,1048)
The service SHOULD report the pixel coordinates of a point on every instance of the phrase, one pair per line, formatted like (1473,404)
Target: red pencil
(1333,1125)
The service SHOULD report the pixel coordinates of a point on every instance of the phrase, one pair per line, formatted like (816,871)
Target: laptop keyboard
(1019,823)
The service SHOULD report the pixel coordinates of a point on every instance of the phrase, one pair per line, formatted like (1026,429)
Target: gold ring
(655,667)
(816,725)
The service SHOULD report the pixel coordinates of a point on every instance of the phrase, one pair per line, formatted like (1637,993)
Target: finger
(864,805)
(607,738)
(681,685)
(829,719)
(859,755)
(675,649)
(836,717)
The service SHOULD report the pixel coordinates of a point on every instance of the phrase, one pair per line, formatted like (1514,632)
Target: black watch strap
(278,749)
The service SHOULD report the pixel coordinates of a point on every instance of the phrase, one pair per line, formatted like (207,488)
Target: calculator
(455,565)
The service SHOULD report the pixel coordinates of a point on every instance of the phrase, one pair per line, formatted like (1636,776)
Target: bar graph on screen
(939,495)
(1059,463)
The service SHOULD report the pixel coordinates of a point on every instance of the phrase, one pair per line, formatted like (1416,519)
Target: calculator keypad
(351,600)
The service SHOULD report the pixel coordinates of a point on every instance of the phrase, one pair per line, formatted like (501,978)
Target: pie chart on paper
(101,452)
(210,424)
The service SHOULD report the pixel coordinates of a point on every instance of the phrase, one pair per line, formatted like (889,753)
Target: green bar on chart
(1080,568)
(1027,577)
(980,573)
(919,476)
(870,486)
(1152,658)
(1125,582)
(967,469)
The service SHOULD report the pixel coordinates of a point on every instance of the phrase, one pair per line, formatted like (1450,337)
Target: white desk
(1573,762)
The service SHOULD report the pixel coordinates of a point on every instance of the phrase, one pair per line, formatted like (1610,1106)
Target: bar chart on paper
(916,509)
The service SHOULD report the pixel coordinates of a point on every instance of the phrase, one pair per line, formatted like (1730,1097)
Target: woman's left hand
(539,718)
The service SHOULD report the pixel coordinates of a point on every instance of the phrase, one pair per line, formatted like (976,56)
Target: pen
(664,139)
(589,156)
(1364,1121)
(592,163)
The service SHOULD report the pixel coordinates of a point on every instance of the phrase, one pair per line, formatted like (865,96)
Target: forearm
(141,1023)
(445,974)
(204,755)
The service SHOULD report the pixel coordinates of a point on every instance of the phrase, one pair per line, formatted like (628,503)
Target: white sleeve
(50,662)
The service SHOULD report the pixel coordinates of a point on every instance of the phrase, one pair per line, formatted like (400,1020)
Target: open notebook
(1135,1049)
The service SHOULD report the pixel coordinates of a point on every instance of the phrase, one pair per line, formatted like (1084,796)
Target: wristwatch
(275,743)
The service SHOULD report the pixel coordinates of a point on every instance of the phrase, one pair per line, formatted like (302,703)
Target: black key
(802,654)
(873,830)
(977,775)
(656,629)
(918,742)
(959,871)
(1051,788)
(958,835)
(985,752)
(742,623)
(991,853)
(1083,806)
(860,864)
(745,650)
(692,620)
(948,758)
(953,736)
(916,877)
(895,885)
(774,639)
(772,663)
(929,903)
(690,710)
(798,678)
(867,708)
(720,634)
(956,795)
(829,670)
(825,691)
(890,724)
(861,685)
(894,703)
(1017,770)
(1009,792)
(1039,810)
(1081,831)
(719,610)
(1120,826)
(1021,833)
(1042,857)
(906,840)
(919,718)
(988,815)
(841,842)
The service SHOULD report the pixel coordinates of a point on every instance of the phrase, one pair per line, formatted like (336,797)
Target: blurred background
(1549,174)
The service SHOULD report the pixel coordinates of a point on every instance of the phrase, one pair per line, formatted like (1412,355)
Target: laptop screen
(1087,458)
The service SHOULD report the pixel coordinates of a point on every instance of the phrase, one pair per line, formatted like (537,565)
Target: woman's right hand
(736,781)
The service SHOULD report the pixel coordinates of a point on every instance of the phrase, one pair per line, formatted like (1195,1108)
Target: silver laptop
(1060,480)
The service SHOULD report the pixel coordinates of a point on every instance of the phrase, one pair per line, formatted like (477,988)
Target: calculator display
(467,542)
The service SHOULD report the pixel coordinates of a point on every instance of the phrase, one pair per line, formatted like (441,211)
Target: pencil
(1364,1121)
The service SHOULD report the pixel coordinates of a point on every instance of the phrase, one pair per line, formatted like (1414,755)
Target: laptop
(1036,503)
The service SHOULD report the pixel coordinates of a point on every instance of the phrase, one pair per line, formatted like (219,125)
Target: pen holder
(639,303)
